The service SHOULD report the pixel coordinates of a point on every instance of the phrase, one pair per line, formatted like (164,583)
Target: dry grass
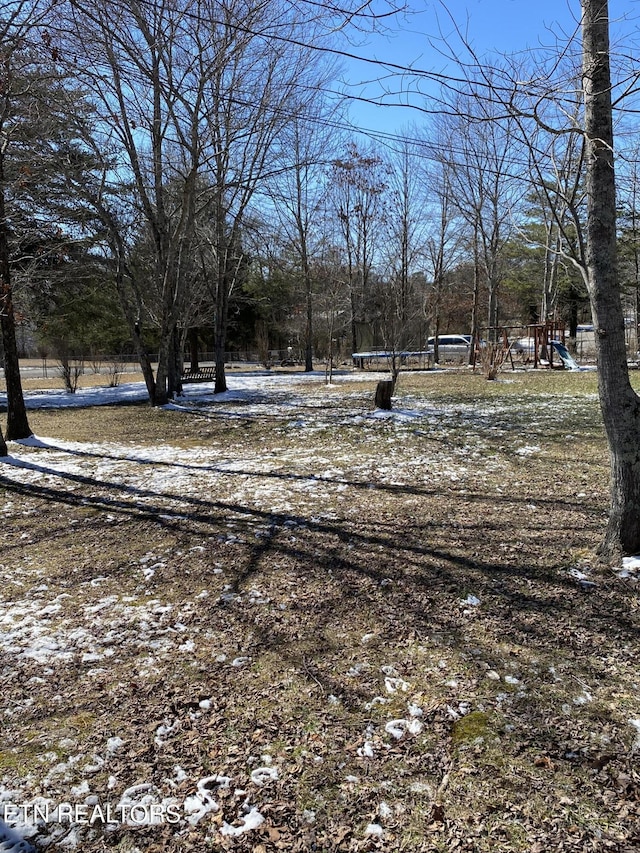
(335,556)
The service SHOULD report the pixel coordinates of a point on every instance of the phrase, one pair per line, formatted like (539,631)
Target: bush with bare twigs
(492,357)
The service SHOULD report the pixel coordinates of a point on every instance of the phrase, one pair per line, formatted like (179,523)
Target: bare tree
(402,223)
(191,99)
(619,402)
(546,99)
(403,240)
(596,257)
(629,207)
(144,75)
(562,201)
(480,154)
(299,195)
(18,101)
(554,143)
(254,91)
(359,184)
(444,239)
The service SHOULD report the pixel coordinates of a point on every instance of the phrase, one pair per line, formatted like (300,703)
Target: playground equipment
(568,361)
(543,345)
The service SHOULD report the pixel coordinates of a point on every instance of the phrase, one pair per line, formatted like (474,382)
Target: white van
(451,347)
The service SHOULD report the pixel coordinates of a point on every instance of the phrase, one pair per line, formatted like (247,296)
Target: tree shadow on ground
(403,572)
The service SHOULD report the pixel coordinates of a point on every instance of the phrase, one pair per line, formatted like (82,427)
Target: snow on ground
(168,475)
(40,628)
(104,629)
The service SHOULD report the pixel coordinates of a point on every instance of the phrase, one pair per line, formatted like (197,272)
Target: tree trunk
(475,324)
(308,287)
(174,366)
(573,296)
(221,376)
(220,327)
(145,363)
(354,325)
(17,421)
(620,404)
(308,345)
(492,317)
(161,397)
(384,393)
(192,337)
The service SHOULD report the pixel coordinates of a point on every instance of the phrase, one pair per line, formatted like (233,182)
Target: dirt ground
(286,622)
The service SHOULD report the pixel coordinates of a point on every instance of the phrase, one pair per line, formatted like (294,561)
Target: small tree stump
(384,391)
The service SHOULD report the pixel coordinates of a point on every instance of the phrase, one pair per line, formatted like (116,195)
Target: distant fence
(129,362)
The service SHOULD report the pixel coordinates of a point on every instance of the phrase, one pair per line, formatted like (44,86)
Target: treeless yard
(278,620)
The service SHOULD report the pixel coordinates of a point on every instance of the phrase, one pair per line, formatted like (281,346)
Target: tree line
(179,168)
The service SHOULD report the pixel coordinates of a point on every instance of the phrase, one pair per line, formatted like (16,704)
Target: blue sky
(502,26)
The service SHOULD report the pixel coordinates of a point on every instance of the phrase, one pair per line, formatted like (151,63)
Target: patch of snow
(32,441)
(78,791)
(461,711)
(583,698)
(13,838)
(395,685)
(114,744)
(251,821)
(165,730)
(577,574)
(366,750)
(143,805)
(96,767)
(202,802)
(377,700)
(398,728)
(421,788)
(630,569)
(264,775)
(384,810)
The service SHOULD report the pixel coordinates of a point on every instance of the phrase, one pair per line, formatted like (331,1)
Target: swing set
(543,346)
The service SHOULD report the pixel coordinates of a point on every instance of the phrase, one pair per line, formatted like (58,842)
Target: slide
(566,358)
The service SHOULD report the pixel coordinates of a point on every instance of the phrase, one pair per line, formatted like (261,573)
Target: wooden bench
(202,374)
